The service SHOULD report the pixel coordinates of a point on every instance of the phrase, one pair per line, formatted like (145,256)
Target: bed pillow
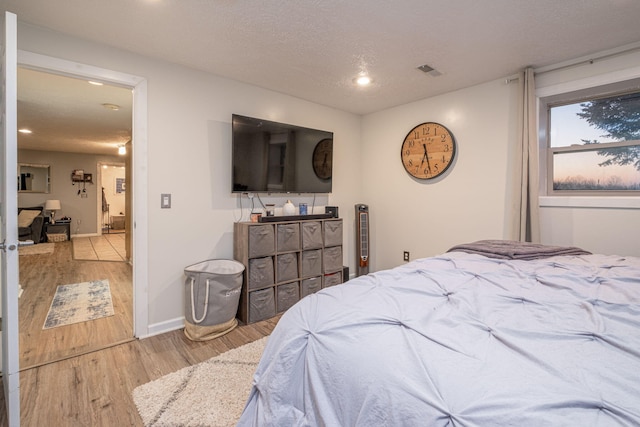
(26,217)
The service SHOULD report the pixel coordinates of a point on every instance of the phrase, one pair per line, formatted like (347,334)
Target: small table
(58,227)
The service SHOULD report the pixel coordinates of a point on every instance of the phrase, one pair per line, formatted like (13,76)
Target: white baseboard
(73,236)
(166,326)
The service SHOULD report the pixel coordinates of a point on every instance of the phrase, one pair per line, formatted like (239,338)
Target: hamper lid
(216,266)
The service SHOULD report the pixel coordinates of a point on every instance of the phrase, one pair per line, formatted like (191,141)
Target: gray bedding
(508,249)
(460,340)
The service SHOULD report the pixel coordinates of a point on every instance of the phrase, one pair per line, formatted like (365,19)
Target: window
(593,141)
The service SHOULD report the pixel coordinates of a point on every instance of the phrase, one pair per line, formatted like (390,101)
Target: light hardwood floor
(39,276)
(94,389)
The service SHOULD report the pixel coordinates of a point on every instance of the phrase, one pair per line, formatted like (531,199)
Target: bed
(492,333)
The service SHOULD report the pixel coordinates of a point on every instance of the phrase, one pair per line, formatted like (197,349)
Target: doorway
(132,274)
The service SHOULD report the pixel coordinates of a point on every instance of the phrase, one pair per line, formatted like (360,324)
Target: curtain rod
(590,59)
(581,61)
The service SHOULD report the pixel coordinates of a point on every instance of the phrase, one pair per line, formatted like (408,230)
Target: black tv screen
(273,157)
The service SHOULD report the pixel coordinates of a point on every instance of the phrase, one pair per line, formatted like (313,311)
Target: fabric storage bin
(311,263)
(311,235)
(288,237)
(260,272)
(261,240)
(212,293)
(332,259)
(310,286)
(287,295)
(287,268)
(332,233)
(332,279)
(262,305)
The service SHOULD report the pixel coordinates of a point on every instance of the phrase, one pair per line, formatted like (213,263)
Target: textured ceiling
(313,49)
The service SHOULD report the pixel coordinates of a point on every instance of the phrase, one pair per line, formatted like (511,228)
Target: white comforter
(460,340)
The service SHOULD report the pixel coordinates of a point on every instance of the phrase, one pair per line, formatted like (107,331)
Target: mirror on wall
(33,178)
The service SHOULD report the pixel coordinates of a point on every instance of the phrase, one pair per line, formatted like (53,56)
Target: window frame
(546,154)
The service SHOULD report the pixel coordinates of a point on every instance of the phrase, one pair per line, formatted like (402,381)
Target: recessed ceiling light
(23,130)
(112,107)
(363,80)
(91,82)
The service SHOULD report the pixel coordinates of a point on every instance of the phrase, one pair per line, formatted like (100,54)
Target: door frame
(9,273)
(100,181)
(139,179)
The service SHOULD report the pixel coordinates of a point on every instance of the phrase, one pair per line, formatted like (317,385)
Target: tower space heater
(362,239)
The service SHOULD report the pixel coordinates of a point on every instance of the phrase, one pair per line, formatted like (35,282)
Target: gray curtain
(526,218)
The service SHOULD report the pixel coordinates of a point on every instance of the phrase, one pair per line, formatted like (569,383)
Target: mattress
(460,339)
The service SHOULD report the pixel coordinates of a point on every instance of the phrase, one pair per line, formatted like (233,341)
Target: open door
(9,218)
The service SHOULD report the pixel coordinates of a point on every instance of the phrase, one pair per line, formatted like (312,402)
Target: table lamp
(52,206)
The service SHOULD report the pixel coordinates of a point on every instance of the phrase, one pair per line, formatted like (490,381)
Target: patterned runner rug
(211,393)
(79,302)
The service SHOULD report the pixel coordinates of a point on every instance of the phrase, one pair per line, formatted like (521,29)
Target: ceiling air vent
(429,70)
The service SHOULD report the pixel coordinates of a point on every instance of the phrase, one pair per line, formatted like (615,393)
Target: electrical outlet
(406,255)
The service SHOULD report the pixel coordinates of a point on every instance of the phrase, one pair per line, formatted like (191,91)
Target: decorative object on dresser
(285,261)
(289,208)
(332,210)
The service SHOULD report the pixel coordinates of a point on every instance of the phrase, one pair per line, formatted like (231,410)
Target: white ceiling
(67,114)
(313,49)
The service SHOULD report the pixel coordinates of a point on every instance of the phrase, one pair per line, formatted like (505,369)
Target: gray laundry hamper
(212,294)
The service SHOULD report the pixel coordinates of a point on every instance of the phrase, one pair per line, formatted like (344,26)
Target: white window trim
(611,202)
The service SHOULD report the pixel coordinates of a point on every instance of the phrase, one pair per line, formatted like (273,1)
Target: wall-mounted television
(272,157)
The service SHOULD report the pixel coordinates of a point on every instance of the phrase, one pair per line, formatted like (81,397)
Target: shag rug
(211,393)
(80,302)
(39,249)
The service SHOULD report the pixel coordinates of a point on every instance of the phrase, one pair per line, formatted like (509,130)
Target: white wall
(475,198)
(189,153)
(469,203)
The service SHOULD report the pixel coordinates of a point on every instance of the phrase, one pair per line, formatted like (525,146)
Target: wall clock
(428,150)
(323,158)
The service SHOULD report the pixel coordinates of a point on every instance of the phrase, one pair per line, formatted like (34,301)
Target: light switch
(165,201)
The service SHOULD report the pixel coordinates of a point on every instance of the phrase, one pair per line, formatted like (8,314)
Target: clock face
(428,150)
(322,158)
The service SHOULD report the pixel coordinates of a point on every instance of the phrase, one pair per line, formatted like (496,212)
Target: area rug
(79,302)
(211,393)
(39,249)
(108,247)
